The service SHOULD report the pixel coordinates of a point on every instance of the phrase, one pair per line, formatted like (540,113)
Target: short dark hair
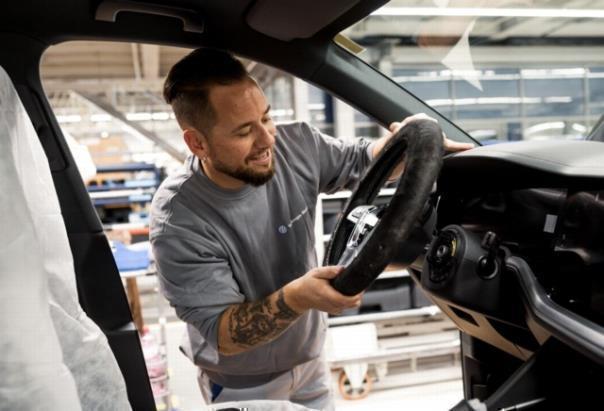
(187,87)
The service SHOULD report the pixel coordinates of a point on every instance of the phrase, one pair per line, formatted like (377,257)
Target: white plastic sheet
(53,357)
(258,405)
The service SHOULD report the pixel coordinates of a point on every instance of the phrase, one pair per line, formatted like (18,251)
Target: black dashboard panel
(539,203)
(526,164)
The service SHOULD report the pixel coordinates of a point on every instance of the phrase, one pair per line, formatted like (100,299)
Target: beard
(247,174)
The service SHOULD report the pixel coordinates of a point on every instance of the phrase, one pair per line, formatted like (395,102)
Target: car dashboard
(518,255)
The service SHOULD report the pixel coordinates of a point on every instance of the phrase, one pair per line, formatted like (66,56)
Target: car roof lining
(283,20)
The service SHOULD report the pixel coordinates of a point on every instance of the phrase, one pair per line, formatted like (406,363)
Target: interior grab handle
(109,9)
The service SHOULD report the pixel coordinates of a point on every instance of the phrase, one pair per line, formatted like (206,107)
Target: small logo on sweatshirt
(283,229)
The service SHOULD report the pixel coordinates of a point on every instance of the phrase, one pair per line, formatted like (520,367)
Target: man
(233,236)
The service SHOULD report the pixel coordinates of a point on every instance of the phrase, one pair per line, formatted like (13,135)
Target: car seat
(53,356)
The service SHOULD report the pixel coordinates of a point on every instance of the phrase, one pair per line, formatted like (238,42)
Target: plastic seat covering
(52,356)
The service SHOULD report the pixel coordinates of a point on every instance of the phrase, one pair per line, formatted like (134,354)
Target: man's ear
(196,141)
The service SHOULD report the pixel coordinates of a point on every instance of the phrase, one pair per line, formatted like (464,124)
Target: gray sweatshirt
(215,247)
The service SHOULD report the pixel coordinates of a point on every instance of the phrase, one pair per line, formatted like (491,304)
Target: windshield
(501,70)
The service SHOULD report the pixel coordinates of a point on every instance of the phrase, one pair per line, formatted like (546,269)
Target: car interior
(505,239)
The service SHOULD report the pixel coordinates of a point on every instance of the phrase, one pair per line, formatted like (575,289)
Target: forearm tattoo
(257,322)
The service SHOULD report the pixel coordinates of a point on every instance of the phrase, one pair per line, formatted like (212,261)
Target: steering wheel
(366,237)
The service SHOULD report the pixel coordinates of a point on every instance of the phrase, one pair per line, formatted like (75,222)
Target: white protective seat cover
(52,356)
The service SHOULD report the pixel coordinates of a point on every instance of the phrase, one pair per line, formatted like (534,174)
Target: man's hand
(313,290)
(378,146)
(449,145)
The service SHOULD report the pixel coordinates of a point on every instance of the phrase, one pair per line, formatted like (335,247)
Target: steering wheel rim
(421,142)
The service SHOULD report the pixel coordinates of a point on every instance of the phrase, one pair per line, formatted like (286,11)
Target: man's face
(240,144)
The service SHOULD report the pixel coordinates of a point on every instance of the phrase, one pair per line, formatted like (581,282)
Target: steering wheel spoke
(363,219)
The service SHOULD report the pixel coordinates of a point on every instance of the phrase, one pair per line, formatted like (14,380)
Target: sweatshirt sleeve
(195,277)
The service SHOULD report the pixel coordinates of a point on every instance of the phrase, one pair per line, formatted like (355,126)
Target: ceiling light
(488,12)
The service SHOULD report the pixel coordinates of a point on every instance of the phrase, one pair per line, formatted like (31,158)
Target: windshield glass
(501,70)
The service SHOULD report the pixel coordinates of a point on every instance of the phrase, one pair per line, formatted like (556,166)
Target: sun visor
(294,19)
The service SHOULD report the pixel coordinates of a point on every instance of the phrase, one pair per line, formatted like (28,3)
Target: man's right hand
(313,290)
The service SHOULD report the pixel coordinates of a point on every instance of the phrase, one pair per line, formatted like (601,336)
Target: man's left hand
(448,145)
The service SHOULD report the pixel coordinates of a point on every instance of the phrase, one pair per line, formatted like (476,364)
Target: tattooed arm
(248,325)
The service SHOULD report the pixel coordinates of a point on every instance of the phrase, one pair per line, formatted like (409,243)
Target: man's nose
(266,136)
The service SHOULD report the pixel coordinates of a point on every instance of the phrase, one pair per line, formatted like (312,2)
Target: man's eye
(267,119)
(245,132)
